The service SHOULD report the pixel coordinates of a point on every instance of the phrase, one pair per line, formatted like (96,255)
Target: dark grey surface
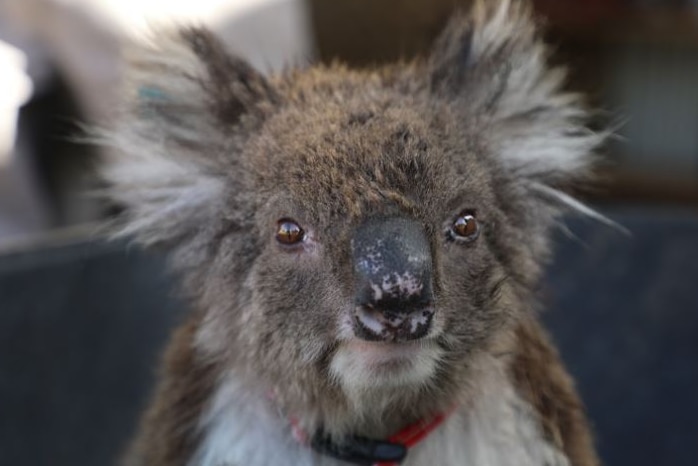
(81,327)
(624,311)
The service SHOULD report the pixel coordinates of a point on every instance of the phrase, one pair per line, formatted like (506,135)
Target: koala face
(341,231)
(392,267)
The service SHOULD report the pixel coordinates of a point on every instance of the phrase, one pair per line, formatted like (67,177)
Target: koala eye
(288,232)
(465,228)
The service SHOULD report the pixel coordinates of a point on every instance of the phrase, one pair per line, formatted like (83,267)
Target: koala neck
(490,422)
(377,413)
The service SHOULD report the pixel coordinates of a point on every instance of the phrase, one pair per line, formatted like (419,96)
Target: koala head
(349,233)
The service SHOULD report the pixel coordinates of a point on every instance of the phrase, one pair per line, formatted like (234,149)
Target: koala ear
(174,148)
(492,65)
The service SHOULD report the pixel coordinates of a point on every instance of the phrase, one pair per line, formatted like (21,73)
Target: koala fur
(209,155)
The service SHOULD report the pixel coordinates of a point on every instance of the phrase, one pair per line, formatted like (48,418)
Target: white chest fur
(498,429)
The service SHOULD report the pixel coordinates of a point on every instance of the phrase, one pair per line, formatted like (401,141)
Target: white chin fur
(360,366)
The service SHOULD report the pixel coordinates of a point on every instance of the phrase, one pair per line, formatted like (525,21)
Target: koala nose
(393,273)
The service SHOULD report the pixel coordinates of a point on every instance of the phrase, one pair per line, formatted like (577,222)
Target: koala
(361,250)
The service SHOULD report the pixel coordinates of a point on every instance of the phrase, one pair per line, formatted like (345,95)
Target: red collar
(360,450)
(415,433)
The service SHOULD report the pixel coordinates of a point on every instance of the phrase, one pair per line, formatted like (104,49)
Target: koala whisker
(572,203)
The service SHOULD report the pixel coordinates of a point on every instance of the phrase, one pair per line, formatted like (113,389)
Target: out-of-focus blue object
(81,327)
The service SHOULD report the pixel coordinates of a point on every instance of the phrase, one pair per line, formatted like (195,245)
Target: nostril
(380,325)
(371,321)
(383,318)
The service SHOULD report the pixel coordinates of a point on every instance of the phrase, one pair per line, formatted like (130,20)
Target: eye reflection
(465,228)
(288,232)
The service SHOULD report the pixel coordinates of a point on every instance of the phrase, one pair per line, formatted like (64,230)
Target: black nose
(393,273)
(392,265)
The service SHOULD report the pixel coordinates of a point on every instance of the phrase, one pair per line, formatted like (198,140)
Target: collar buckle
(359,450)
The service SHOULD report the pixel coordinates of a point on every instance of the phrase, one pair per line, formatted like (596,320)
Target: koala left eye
(465,228)
(289,232)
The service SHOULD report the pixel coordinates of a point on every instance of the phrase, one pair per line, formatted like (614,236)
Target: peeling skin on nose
(396,285)
(392,265)
(423,319)
(372,260)
(406,284)
(377,292)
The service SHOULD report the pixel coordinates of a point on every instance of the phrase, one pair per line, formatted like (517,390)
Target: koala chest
(499,429)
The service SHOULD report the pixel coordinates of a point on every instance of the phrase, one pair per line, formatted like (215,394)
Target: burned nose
(392,266)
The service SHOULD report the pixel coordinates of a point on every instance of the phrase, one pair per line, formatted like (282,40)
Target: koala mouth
(391,326)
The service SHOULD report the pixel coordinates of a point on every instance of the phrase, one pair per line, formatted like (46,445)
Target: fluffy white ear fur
(493,65)
(173,146)
(156,165)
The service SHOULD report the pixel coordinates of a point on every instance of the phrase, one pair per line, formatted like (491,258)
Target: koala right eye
(288,232)
(465,228)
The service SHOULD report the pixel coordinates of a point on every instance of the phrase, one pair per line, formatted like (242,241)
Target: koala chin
(360,249)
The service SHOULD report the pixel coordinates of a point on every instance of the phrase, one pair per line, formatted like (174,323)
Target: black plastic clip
(359,450)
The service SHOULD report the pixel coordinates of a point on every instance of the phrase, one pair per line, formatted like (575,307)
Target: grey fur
(210,155)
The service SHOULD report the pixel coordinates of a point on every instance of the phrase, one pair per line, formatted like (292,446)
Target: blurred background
(82,320)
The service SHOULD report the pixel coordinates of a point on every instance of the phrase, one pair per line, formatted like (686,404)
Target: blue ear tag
(152,94)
